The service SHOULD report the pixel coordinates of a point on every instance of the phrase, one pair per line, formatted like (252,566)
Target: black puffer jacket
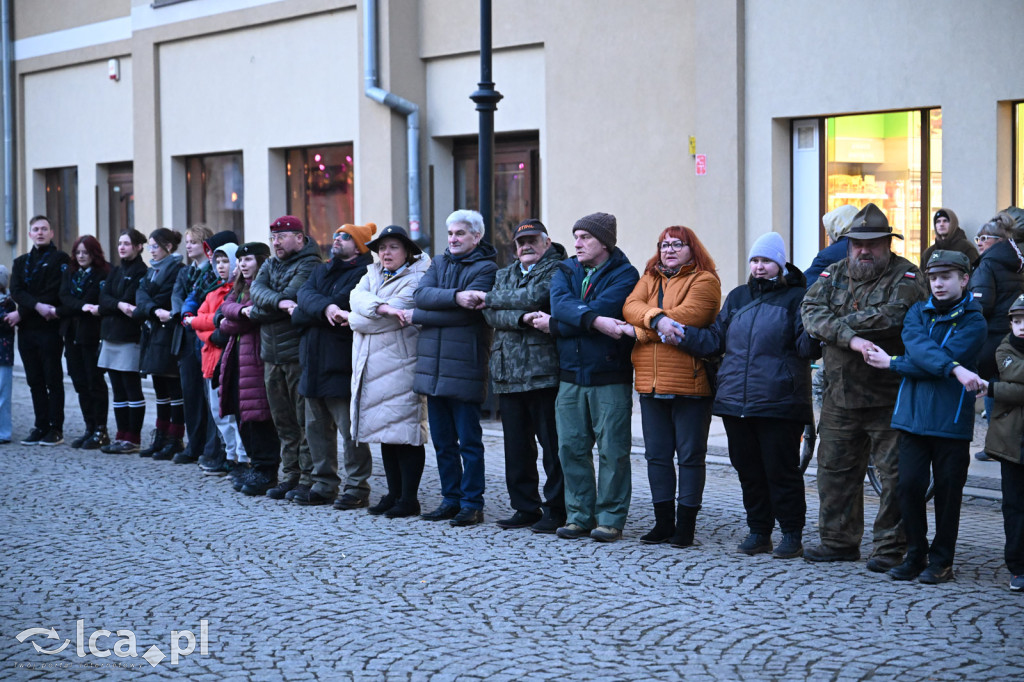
(161,343)
(766,369)
(77,289)
(997,281)
(280,280)
(121,285)
(454,345)
(326,351)
(35,278)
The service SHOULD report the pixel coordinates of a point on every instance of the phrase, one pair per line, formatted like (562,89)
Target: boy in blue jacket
(934,412)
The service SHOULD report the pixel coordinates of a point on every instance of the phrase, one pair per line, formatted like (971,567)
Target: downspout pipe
(7,63)
(396,103)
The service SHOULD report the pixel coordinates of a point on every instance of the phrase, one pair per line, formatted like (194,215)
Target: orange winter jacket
(690,298)
(203,326)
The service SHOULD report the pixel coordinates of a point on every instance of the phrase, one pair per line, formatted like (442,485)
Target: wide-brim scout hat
(871,223)
(944,261)
(399,233)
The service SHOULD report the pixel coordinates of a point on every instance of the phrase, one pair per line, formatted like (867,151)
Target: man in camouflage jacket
(524,375)
(857,305)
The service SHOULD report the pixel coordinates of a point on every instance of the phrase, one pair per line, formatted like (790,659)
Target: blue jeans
(458,442)
(6,384)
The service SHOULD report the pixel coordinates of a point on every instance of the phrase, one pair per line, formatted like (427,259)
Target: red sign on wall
(702,164)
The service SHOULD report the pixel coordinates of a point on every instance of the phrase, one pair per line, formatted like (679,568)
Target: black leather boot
(664,525)
(686,524)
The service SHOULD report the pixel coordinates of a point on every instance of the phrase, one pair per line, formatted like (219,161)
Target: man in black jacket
(451,364)
(326,352)
(35,287)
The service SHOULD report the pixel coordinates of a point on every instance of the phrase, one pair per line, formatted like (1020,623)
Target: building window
(214,190)
(320,191)
(516,186)
(887,159)
(62,205)
(120,204)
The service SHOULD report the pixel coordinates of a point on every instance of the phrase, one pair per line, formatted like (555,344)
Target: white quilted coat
(384,407)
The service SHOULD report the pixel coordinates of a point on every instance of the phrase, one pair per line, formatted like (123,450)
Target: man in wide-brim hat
(857,306)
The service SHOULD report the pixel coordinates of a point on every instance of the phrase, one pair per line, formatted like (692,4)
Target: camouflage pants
(848,438)
(288,410)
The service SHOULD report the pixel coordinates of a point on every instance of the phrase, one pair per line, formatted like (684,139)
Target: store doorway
(516,186)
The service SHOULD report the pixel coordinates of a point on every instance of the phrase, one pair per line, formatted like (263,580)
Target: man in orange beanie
(361,235)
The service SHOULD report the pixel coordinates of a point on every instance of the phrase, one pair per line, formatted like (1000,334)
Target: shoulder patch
(824,274)
(1007,361)
(910,275)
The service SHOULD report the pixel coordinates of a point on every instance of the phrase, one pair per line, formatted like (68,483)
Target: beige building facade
(236,111)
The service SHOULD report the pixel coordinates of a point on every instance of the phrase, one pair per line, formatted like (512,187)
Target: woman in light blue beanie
(772,247)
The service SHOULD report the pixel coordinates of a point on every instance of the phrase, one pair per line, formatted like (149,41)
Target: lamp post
(486,98)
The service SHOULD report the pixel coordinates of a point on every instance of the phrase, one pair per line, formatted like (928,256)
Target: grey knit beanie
(602,226)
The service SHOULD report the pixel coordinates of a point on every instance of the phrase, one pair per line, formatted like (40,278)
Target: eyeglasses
(984,237)
(671,246)
(345,236)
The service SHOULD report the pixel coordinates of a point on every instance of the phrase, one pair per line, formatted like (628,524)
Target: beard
(867,268)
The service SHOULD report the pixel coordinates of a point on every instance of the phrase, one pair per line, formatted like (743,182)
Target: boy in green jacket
(1005,439)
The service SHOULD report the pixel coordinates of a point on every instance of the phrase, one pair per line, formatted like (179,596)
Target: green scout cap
(943,261)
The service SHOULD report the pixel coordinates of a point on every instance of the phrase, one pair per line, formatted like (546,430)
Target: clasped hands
(878,358)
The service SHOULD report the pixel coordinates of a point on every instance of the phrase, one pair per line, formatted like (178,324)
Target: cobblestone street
(290,592)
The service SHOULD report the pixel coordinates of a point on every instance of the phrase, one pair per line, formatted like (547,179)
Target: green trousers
(585,415)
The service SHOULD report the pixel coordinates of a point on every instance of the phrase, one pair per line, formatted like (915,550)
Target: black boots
(159,441)
(686,523)
(664,525)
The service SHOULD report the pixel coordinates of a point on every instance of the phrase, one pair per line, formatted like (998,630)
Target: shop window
(320,189)
(516,186)
(887,159)
(62,205)
(215,193)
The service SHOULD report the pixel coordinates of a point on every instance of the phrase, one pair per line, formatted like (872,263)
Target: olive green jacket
(522,358)
(1006,426)
(837,308)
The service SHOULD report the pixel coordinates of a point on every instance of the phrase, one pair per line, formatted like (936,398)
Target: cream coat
(384,408)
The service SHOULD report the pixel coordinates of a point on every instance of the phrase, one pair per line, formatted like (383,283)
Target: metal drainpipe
(402,106)
(7,63)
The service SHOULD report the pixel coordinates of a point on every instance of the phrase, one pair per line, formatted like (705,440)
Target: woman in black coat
(119,336)
(161,342)
(79,312)
(764,393)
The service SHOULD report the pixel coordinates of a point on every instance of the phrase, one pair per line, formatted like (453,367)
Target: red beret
(287,223)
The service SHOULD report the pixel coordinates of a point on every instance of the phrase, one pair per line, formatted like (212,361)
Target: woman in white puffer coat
(384,408)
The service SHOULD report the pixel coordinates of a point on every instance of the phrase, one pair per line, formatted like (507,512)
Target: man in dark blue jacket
(451,364)
(326,379)
(595,394)
(934,412)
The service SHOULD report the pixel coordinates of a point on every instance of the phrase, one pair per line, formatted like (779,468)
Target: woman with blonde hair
(679,289)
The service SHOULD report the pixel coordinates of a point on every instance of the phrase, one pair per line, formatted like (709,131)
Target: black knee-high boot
(393,475)
(410,463)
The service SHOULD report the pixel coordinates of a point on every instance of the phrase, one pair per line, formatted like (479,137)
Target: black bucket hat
(399,233)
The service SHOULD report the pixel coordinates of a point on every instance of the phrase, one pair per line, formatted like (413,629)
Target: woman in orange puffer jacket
(679,288)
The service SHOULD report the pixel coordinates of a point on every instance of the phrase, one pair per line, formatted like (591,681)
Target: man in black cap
(524,375)
(856,307)
(595,391)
